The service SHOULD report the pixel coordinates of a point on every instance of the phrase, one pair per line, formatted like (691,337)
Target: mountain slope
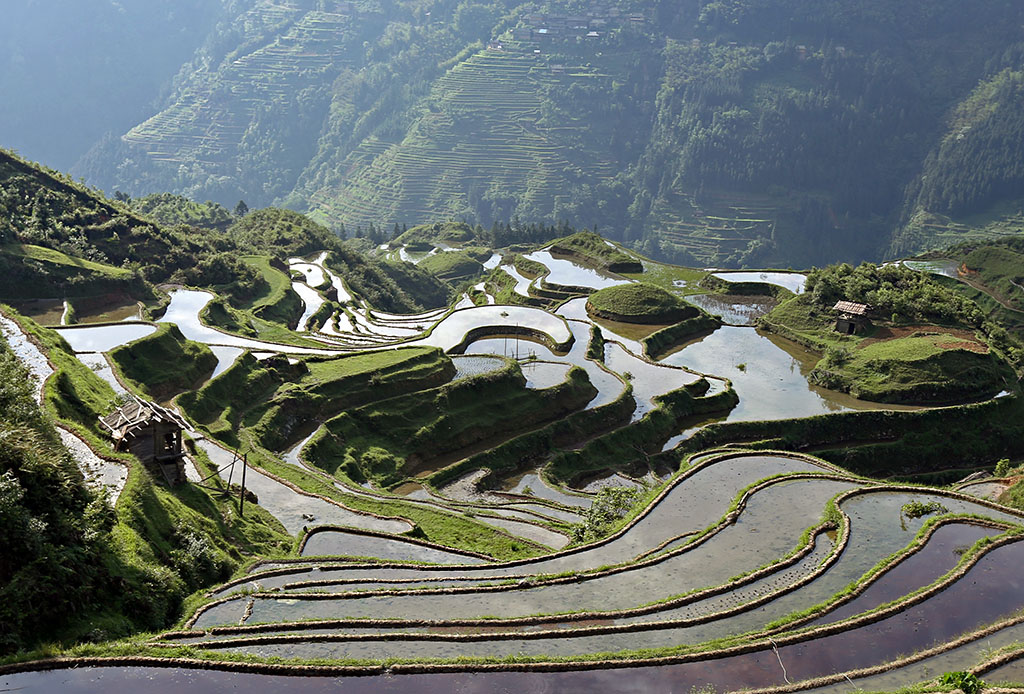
(720,132)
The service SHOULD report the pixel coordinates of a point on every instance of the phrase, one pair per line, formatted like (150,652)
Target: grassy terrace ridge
(391,438)
(998,266)
(135,564)
(36,272)
(270,398)
(638,302)
(447,232)
(164,363)
(278,301)
(593,249)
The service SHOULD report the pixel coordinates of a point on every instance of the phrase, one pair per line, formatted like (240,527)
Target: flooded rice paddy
(696,565)
(569,273)
(793,281)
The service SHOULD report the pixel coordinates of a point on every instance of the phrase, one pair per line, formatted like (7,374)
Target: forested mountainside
(726,132)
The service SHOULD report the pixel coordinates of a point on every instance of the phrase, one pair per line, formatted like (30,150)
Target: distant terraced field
(480,134)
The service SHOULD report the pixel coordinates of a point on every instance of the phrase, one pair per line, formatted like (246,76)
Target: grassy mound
(594,250)
(165,362)
(32,272)
(428,234)
(638,303)
(923,367)
(451,265)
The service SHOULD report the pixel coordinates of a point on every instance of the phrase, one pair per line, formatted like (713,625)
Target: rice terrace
(568,478)
(512,346)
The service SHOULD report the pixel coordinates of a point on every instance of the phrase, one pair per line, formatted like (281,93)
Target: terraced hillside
(528,494)
(753,135)
(483,130)
(244,127)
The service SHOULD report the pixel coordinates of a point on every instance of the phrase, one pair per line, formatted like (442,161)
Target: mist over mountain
(73,70)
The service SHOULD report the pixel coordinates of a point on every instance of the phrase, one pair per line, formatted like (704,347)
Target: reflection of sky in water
(570,274)
(104,338)
(793,281)
(773,381)
(733,310)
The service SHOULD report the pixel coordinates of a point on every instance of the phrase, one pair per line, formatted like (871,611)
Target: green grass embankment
(278,303)
(452,265)
(271,398)
(35,272)
(882,443)
(892,362)
(639,303)
(923,367)
(384,440)
(665,340)
(594,250)
(164,363)
(136,564)
(641,441)
(535,446)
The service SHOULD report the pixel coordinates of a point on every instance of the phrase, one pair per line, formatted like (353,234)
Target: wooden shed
(852,318)
(151,433)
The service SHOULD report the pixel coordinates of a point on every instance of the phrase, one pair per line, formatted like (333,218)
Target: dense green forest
(724,132)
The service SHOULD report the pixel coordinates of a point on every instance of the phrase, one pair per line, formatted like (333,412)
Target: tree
(241,209)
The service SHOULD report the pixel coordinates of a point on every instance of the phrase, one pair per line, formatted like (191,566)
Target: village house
(852,318)
(151,433)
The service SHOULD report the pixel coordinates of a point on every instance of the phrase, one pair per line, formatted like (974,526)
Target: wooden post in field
(241,500)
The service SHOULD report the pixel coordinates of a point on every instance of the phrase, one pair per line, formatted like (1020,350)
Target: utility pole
(241,499)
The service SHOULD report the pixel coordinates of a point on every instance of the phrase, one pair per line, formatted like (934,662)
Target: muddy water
(42,311)
(1011,672)
(741,547)
(293,509)
(648,380)
(695,503)
(27,353)
(985,490)
(532,484)
(793,281)
(98,364)
(990,590)
(929,669)
(341,543)
(939,556)
(98,473)
(467,366)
